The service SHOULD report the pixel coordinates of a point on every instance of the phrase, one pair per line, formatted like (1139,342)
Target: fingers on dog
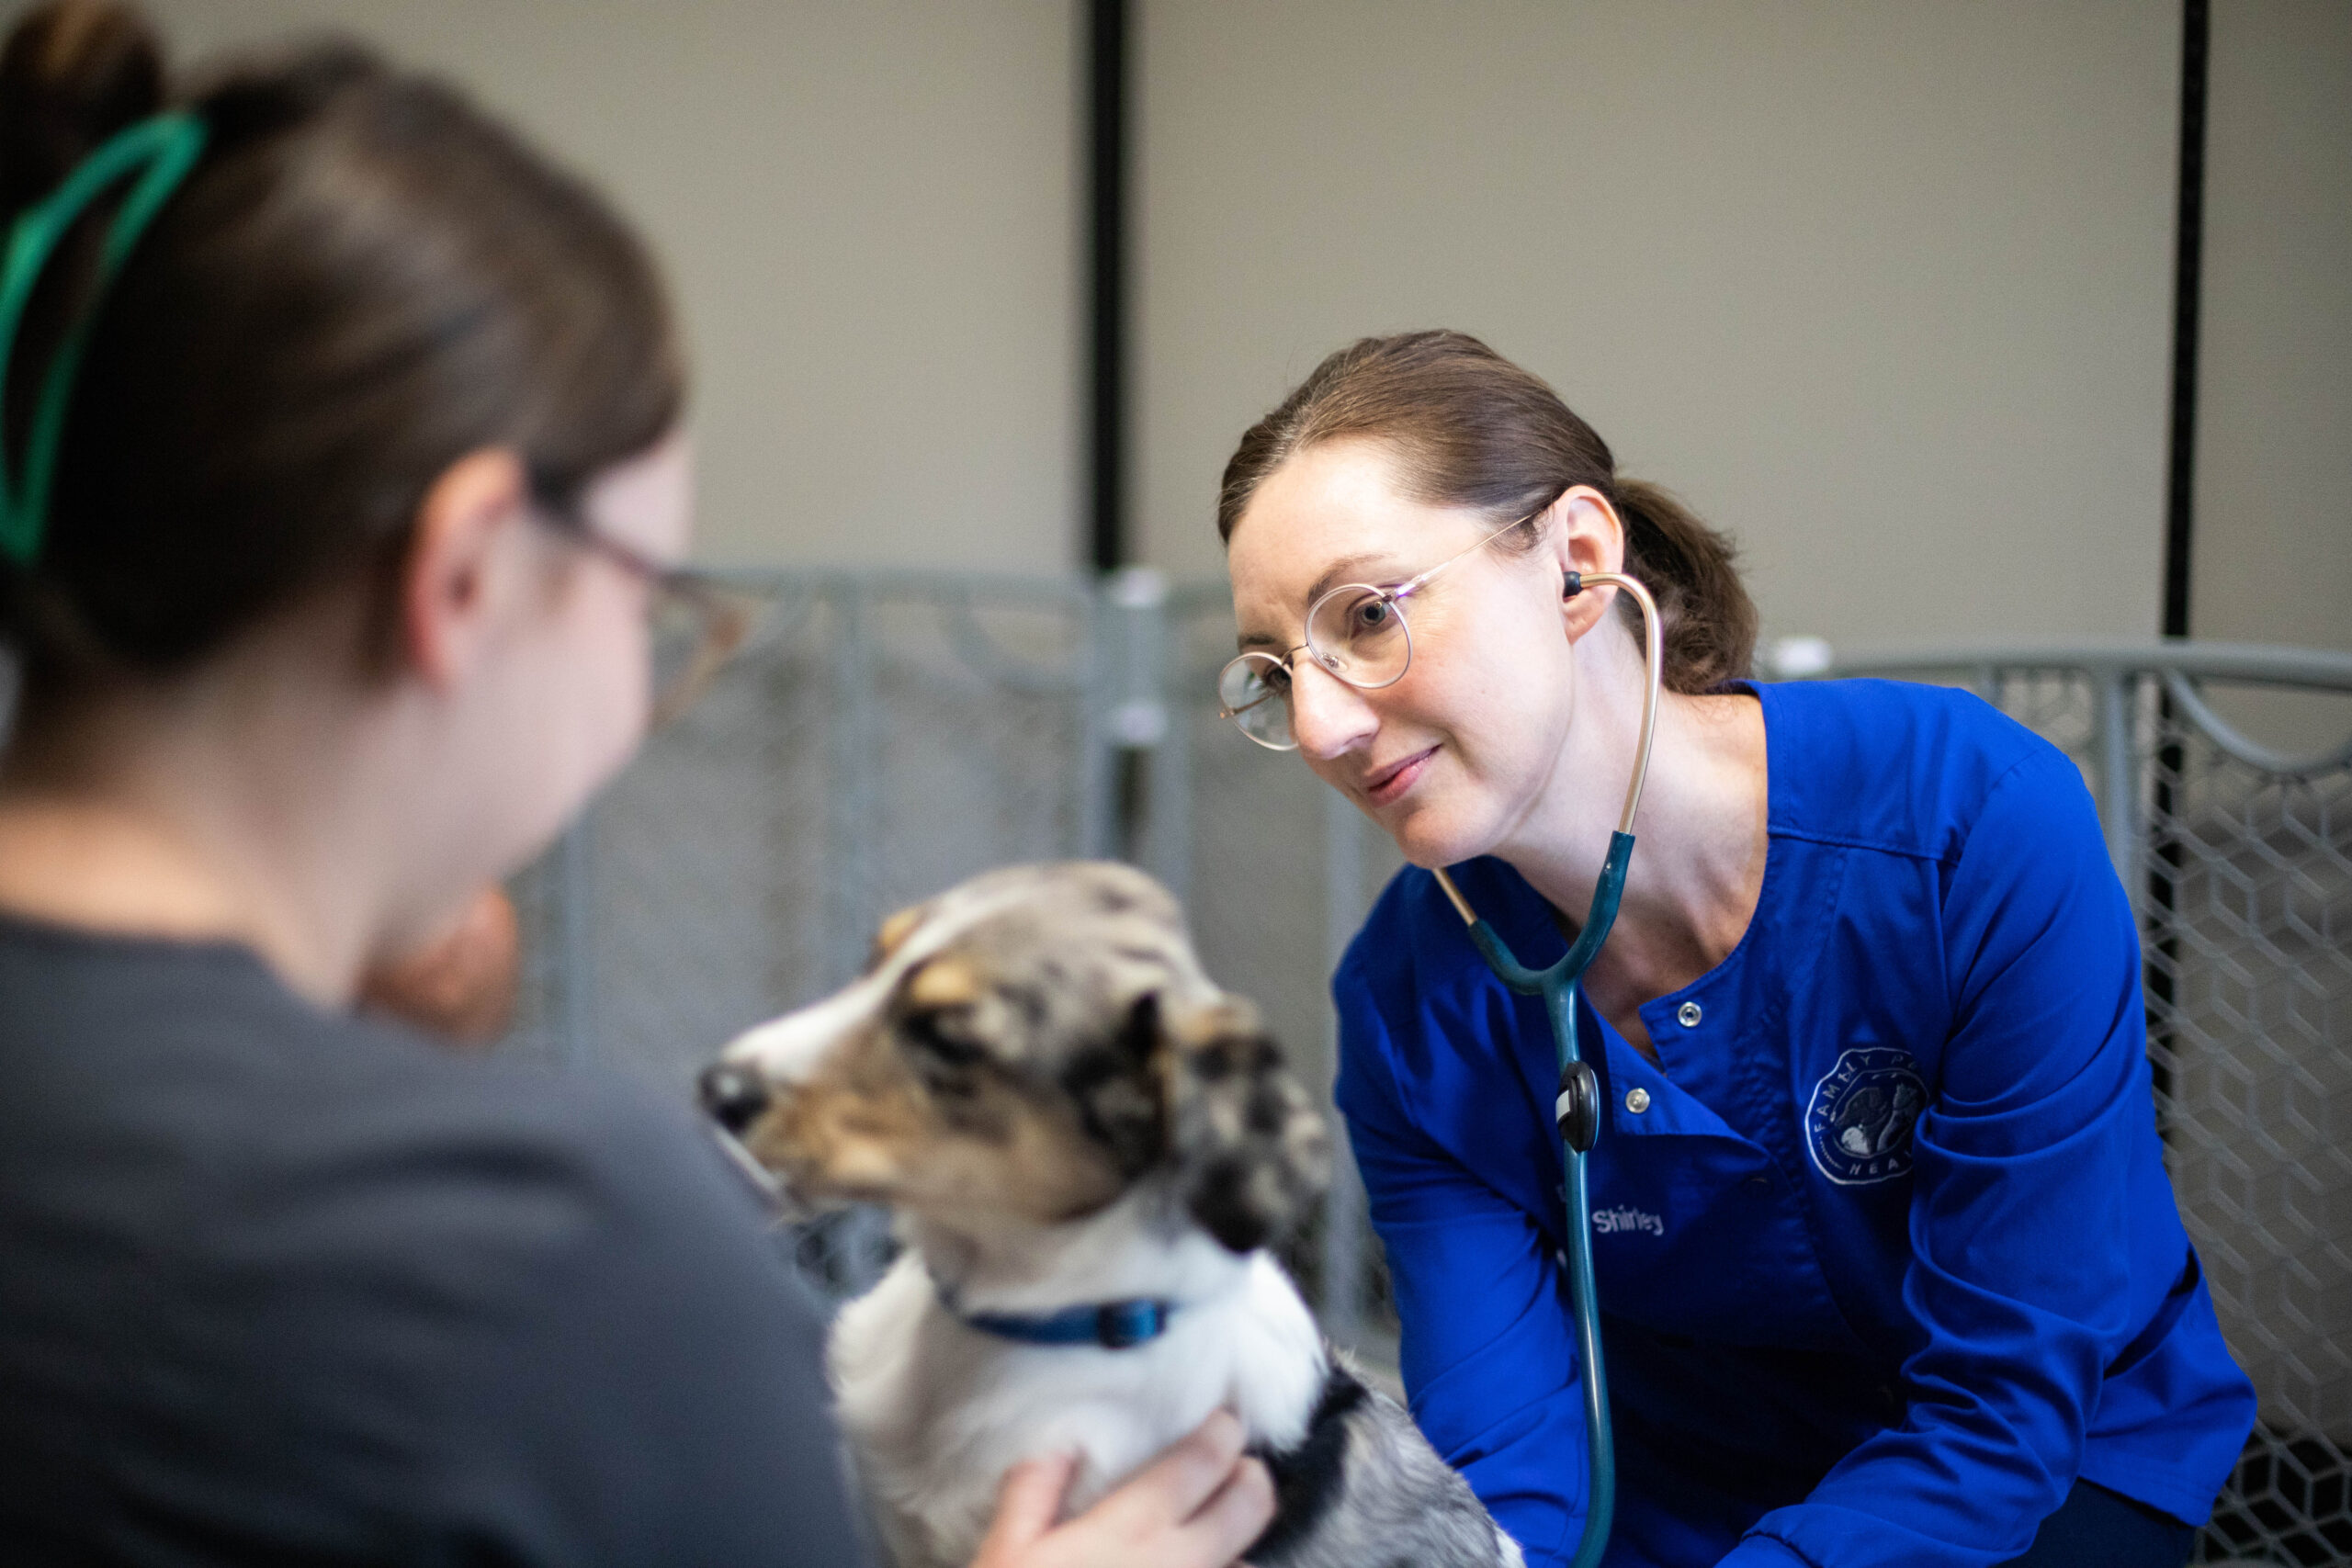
(1176,1487)
(1237,1516)
(1027,1505)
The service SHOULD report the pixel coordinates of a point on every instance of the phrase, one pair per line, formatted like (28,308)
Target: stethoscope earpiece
(1572,585)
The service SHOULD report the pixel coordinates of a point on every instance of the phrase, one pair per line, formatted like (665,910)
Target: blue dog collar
(1114,1325)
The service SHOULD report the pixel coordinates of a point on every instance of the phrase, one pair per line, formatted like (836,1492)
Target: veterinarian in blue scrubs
(1889,1268)
(342,488)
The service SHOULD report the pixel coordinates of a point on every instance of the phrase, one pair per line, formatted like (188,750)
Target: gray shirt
(278,1285)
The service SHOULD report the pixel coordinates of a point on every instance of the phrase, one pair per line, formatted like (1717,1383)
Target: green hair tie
(164,149)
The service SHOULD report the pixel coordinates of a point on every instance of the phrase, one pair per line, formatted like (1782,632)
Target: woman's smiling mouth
(1386,784)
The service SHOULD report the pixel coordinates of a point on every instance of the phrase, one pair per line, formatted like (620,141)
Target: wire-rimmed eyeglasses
(1355,633)
(695,623)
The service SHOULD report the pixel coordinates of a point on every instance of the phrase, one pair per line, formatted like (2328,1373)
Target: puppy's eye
(933,1032)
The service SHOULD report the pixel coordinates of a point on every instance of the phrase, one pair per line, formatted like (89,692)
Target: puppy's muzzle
(733,1096)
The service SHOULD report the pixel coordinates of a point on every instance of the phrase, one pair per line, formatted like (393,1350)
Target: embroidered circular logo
(1859,1125)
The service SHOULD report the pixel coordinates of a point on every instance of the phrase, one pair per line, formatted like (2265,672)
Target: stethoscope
(1577,1108)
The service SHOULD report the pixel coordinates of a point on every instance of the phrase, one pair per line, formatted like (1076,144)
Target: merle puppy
(1089,1147)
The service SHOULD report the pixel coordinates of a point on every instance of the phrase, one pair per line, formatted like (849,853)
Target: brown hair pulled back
(363,279)
(1471,429)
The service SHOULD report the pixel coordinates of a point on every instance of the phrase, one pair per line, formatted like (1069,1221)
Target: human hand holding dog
(1197,1506)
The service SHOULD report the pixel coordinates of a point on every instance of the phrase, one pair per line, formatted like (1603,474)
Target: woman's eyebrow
(1344,570)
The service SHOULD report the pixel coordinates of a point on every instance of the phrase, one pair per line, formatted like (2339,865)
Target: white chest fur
(937,1410)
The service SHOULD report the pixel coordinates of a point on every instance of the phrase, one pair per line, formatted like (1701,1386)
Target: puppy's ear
(895,928)
(1251,1149)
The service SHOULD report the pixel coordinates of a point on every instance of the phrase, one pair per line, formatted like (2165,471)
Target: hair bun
(72,74)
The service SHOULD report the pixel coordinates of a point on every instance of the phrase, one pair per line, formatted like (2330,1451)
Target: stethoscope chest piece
(1578,1109)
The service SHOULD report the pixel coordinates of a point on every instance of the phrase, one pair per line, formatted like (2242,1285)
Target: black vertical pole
(1106,282)
(2188,241)
(1107,46)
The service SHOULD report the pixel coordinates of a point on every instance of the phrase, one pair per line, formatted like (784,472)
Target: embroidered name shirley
(1859,1125)
(1616,1221)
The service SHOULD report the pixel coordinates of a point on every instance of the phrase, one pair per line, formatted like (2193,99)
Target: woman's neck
(1698,871)
(202,811)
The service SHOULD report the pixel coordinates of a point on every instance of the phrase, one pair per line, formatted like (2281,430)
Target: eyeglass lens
(1254,692)
(1358,634)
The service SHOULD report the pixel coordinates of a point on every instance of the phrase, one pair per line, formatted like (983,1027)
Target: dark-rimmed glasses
(695,622)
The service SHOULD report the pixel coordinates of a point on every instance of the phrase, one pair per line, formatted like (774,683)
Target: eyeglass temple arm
(1413,585)
(1653,668)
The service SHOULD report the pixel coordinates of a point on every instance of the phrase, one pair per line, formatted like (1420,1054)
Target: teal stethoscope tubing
(1578,1109)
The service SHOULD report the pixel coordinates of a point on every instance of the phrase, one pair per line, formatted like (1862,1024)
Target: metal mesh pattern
(2248,920)
(2242,875)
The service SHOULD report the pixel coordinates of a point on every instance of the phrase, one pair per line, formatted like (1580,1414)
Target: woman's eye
(1371,614)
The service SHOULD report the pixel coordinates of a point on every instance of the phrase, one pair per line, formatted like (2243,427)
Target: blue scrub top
(1889,1258)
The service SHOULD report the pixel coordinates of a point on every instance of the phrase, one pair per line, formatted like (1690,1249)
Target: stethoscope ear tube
(1653,670)
(1577,1107)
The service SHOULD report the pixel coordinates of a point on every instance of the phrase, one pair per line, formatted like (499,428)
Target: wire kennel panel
(2238,857)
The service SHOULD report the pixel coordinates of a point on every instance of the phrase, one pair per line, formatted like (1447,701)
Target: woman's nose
(1328,717)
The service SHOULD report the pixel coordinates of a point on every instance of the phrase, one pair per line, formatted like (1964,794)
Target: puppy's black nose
(733,1095)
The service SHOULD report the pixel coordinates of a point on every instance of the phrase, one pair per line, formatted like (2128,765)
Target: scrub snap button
(1637,1100)
(1688,1015)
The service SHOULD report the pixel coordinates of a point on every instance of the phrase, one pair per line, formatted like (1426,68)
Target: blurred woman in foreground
(336,605)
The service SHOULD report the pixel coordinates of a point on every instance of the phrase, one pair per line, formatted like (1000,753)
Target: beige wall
(2274,451)
(868,213)
(1884,289)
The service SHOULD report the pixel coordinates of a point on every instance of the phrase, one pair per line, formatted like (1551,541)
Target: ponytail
(1706,617)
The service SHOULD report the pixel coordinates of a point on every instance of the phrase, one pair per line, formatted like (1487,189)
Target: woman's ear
(1587,537)
(458,571)
(1251,1150)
